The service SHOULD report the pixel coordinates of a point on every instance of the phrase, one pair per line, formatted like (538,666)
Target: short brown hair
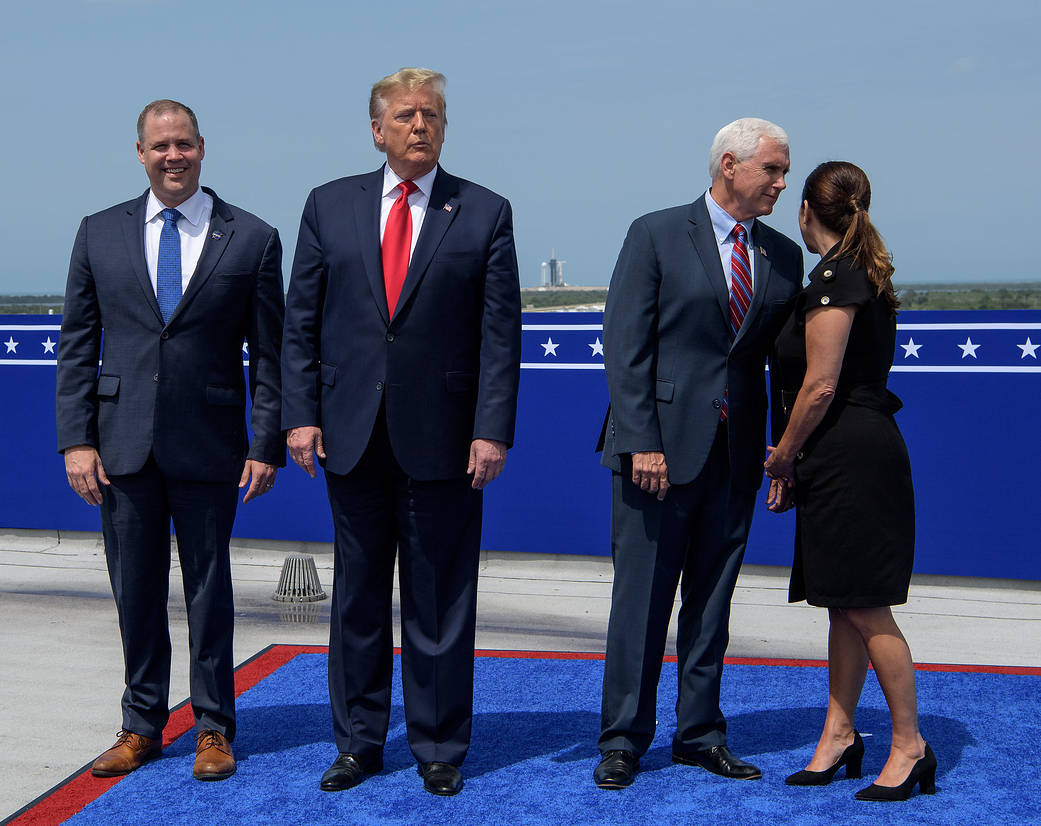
(161,107)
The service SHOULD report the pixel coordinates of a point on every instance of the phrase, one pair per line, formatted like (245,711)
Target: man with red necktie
(696,299)
(402,348)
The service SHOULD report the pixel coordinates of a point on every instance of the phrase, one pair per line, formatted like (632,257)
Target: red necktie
(397,245)
(740,290)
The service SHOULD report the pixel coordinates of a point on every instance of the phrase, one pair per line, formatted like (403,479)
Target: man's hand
(780,497)
(487,458)
(84,469)
(263,479)
(304,443)
(650,473)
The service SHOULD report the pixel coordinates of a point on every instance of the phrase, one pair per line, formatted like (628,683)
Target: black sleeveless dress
(854,537)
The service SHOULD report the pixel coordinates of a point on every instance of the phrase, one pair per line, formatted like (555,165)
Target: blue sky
(584,114)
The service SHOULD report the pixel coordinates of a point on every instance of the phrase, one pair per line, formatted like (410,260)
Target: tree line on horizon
(912,297)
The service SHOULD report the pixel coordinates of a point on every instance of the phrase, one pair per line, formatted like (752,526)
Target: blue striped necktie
(168,268)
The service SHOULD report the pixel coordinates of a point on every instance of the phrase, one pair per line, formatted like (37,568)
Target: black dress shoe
(346,772)
(441,778)
(718,760)
(617,770)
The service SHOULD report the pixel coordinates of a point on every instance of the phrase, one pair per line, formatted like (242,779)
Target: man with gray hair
(696,298)
(402,348)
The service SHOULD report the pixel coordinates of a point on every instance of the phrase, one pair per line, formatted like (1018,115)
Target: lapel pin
(447,207)
(216,236)
(762,252)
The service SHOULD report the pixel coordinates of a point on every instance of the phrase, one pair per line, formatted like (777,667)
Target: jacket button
(379,385)
(165,335)
(155,377)
(716,403)
(390,336)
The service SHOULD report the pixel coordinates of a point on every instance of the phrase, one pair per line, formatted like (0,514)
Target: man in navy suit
(686,339)
(164,290)
(400,370)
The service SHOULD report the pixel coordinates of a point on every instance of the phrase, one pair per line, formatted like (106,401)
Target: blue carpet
(534,749)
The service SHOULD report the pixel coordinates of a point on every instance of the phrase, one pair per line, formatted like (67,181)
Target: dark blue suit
(166,413)
(399,402)
(669,356)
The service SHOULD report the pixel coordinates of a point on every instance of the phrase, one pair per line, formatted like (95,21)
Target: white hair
(742,138)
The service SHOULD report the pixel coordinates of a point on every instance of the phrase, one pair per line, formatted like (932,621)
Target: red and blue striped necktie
(740,290)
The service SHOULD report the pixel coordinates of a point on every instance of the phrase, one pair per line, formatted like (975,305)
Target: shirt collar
(193,210)
(424,183)
(723,223)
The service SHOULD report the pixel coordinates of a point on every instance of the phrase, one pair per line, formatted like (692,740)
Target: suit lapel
(441,211)
(367,223)
(213,247)
(704,239)
(134,235)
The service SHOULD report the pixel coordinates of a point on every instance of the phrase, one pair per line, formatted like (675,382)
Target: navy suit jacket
(667,347)
(175,390)
(447,365)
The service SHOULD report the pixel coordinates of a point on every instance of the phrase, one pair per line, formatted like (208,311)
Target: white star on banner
(549,347)
(911,349)
(48,345)
(12,345)
(597,348)
(1028,349)
(968,348)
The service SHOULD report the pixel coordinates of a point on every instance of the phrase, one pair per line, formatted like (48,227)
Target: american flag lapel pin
(762,252)
(216,235)
(447,207)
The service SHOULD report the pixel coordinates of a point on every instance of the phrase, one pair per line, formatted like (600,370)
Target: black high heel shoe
(923,773)
(851,758)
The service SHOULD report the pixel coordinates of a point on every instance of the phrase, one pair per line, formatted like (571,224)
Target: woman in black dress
(843,464)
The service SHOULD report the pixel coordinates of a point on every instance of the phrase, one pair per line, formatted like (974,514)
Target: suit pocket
(223,396)
(328,372)
(664,390)
(458,258)
(108,387)
(458,382)
(232,278)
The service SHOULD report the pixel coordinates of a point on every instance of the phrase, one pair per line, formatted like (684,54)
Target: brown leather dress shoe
(213,757)
(130,752)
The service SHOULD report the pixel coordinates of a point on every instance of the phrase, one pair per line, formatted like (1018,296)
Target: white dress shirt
(417,201)
(723,226)
(193,227)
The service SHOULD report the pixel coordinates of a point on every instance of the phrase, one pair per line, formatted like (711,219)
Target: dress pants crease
(434,527)
(693,539)
(135,515)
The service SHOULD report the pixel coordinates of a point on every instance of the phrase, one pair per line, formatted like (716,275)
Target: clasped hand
(781,470)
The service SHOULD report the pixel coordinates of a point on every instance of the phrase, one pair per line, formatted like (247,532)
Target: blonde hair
(409,79)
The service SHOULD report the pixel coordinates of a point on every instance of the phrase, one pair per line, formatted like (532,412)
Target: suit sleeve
(79,350)
(301,344)
(265,346)
(631,343)
(496,412)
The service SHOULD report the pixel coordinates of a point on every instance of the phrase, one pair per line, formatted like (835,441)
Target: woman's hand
(779,466)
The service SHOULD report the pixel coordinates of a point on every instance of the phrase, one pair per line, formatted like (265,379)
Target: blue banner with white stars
(1006,342)
(968,381)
